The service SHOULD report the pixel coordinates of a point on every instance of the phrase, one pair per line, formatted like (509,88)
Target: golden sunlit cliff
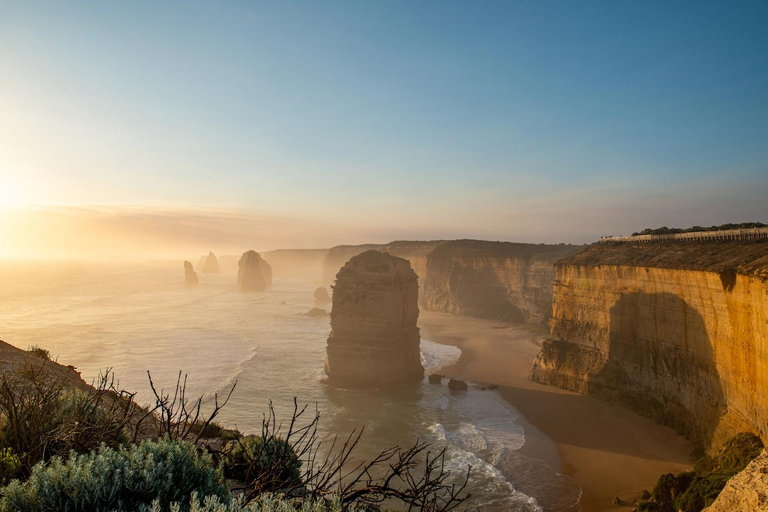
(677,332)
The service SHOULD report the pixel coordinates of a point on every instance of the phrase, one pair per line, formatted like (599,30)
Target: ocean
(139,318)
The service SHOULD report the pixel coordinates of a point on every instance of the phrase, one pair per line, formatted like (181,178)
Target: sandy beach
(609,451)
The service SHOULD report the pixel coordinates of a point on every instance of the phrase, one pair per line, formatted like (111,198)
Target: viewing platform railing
(721,234)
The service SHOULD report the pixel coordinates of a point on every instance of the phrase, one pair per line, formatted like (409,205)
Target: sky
(149,127)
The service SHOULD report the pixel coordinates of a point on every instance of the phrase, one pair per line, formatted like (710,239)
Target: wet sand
(609,451)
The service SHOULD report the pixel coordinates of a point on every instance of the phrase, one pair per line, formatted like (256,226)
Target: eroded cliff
(677,332)
(254,274)
(416,252)
(374,341)
(497,280)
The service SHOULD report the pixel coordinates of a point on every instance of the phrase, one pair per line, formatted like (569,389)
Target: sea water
(140,318)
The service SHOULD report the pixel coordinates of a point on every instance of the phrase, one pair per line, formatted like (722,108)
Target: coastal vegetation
(664,230)
(692,491)
(65,445)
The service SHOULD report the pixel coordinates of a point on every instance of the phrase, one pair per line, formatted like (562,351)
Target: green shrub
(122,480)
(269,466)
(9,466)
(39,352)
(264,503)
(695,490)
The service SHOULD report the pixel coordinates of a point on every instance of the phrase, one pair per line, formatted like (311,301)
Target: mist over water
(136,318)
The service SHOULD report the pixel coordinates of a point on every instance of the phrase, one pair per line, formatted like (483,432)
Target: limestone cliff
(416,252)
(190,276)
(676,331)
(374,341)
(305,264)
(211,265)
(254,274)
(497,280)
(747,491)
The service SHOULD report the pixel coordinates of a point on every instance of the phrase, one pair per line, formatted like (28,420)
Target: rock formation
(747,491)
(321,295)
(675,331)
(316,312)
(211,265)
(374,341)
(190,276)
(254,274)
(497,280)
(304,264)
(457,385)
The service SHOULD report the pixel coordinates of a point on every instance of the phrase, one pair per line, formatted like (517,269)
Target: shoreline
(610,451)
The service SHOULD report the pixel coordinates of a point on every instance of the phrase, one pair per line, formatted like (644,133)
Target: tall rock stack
(211,265)
(374,340)
(190,276)
(254,274)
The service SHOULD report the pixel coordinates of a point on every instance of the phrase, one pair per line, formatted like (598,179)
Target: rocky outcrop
(416,252)
(190,276)
(496,280)
(747,491)
(321,295)
(211,265)
(316,312)
(677,332)
(254,274)
(304,264)
(374,341)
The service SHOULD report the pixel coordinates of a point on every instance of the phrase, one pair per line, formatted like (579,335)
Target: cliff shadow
(660,363)
(480,293)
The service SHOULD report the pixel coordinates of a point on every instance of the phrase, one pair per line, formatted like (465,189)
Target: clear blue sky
(533,121)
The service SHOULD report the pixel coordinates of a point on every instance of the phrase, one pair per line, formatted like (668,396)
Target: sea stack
(211,265)
(321,295)
(254,274)
(374,341)
(190,276)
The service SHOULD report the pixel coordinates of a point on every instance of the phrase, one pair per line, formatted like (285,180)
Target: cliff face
(678,332)
(498,280)
(374,341)
(254,274)
(415,252)
(306,264)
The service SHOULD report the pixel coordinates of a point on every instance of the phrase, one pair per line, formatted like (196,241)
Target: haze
(139,129)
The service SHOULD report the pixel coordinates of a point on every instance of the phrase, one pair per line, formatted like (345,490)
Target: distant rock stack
(190,276)
(211,265)
(321,295)
(254,274)
(374,340)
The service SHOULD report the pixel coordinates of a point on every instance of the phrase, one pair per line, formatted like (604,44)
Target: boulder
(435,378)
(190,276)
(211,265)
(321,295)
(457,385)
(374,341)
(316,312)
(254,274)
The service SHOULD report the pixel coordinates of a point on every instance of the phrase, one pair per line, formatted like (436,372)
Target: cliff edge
(675,331)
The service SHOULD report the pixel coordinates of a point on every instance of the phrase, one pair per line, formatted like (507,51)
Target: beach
(610,451)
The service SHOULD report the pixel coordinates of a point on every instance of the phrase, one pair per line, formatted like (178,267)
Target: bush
(9,466)
(122,480)
(39,352)
(692,491)
(41,418)
(264,503)
(268,466)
